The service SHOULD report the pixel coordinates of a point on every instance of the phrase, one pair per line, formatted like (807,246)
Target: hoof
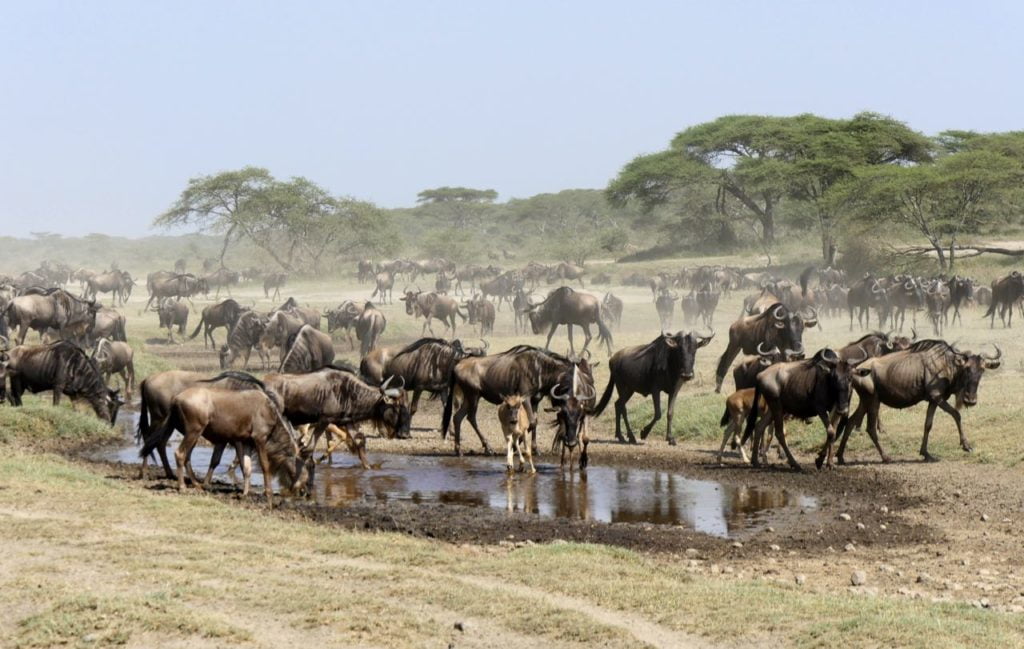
(671,441)
(928,457)
(886,459)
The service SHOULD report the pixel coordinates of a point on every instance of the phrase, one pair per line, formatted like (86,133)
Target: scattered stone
(883,509)
(850,547)
(89,638)
(883,527)
(774,548)
(460,626)
(924,578)
(965,562)
(861,526)
(845,517)
(859,578)
(800,580)
(984,518)
(715,569)
(771,529)
(737,544)
(728,570)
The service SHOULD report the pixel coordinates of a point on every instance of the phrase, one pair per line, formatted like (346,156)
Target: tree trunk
(941,252)
(224,247)
(768,221)
(952,254)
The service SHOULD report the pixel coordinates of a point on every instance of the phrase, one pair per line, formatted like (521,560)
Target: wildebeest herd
(280,417)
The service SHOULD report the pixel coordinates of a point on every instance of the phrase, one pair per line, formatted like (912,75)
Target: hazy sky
(107,108)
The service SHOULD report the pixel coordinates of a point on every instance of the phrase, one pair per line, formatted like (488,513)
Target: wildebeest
(242,417)
(431,266)
(778,326)
(369,326)
(521,304)
(816,387)
(309,349)
(746,371)
(430,306)
(472,273)
(108,323)
(571,423)
(863,295)
(116,357)
(662,365)
(522,369)
(504,287)
(223,314)
(344,317)
(119,283)
(165,284)
(179,266)
(961,292)
(423,366)
(611,310)
(707,302)
(63,368)
(737,407)
(515,426)
(243,338)
(172,313)
(569,307)
(281,325)
(665,304)
(274,281)
(481,312)
(566,272)
(443,283)
(689,306)
(364,270)
(1006,291)
(53,309)
(929,370)
(385,281)
(221,278)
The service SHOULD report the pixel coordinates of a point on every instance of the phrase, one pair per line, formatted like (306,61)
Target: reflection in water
(601,493)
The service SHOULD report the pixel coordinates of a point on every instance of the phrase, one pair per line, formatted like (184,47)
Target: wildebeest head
(970,368)
(411,298)
(394,410)
(570,418)
(685,346)
(838,375)
(114,403)
(790,325)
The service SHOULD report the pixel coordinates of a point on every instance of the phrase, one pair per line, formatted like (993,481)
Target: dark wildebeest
(504,287)
(223,314)
(172,314)
(665,305)
(431,266)
(521,304)
(307,314)
(1006,291)
(369,326)
(481,312)
(108,323)
(745,373)
(907,294)
(119,283)
(522,369)
(52,309)
(863,295)
(66,370)
(816,387)
(274,281)
(424,366)
(961,292)
(430,306)
(364,271)
(707,302)
(243,338)
(611,310)
(282,324)
(566,272)
(385,280)
(689,306)
(222,277)
(569,307)
(344,317)
(242,418)
(115,357)
(309,349)
(658,283)
(164,284)
(776,327)
(473,273)
(179,266)
(443,283)
(662,365)
(929,370)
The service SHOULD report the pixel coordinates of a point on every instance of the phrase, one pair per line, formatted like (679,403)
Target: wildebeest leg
(472,422)
(460,414)
(531,406)
(415,402)
(826,453)
(510,443)
(780,434)
(669,437)
(620,409)
(218,450)
(268,488)
(551,333)
(845,428)
(572,348)
(183,451)
(242,454)
(874,427)
(730,432)
(955,414)
(656,398)
(928,419)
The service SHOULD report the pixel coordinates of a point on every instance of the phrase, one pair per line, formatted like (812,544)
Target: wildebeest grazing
(119,283)
(777,326)
(245,336)
(929,370)
(565,306)
(116,357)
(662,365)
(63,368)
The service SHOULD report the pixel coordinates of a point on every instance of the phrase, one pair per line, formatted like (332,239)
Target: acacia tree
(458,203)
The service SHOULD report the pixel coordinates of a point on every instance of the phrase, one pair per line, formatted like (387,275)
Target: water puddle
(606,494)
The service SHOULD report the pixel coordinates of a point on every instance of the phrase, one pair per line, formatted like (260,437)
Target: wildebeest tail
(119,332)
(446,418)
(606,397)
(752,417)
(725,416)
(195,333)
(143,428)
(604,334)
(156,437)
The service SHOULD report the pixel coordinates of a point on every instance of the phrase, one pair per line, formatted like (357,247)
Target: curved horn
(589,394)
(858,361)
(779,312)
(761,352)
(402,379)
(556,396)
(999,354)
(829,355)
(387,382)
(487,345)
(909,284)
(877,289)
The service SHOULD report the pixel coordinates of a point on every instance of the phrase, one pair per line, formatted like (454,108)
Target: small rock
(715,569)
(883,509)
(692,553)
(984,518)
(883,527)
(861,526)
(774,548)
(924,578)
(728,570)
(859,578)
(800,580)
(737,544)
(845,517)
(850,547)
(89,638)
(965,562)
(771,529)
(460,626)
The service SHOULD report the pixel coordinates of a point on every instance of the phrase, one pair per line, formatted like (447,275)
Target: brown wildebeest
(961,292)
(665,305)
(746,371)
(521,304)
(83,275)
(364,270)
(423,366)
(611,310)
(707,302)
(522,369)
(222,278)
(165,284)
(245,336)
(119,283)
(816,387)
(52,309)
(662,365)
(929,370)
(1006,291)
(572,426)
(515,425)
(274,281)
(108,323)
(504,287)
(63,368)
(431,266)
(115,357)
(566,272)
(344,317)
(481,312)
(240,417)
(778,326)
(569,307)
(737,407)
(172,314)
(179,266)
(308,350)
(430,306)
(370,324)
(223,314)
(281,326)
(307,314)
(864,294)
(385,281)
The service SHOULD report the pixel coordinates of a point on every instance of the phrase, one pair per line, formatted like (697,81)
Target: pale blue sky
(107,108)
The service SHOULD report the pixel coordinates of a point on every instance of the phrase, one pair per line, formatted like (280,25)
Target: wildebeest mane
(654,356)
(864,338)
(932,343)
